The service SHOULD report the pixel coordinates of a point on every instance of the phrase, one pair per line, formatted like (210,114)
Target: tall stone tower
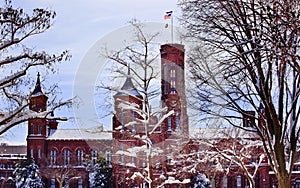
(37,127)
(173,88)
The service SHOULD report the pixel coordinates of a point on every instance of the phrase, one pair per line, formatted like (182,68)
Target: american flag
(168,15)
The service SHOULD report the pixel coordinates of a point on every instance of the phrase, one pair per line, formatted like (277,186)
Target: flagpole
(169,15)
(172,28)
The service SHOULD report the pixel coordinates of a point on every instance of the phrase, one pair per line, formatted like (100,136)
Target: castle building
(140,148)
(62,153)
(131,166)
(9,157)
(173,88)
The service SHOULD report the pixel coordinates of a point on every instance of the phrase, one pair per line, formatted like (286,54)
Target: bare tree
(17,59)
(219,153)
(147,152)
(251,64)
(63,175)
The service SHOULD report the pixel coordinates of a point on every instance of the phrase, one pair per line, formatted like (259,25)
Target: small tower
(128,94)
(37,127)
(173,88)
(123,136)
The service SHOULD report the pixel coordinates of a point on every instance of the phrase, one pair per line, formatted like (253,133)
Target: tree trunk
(251,183)
(284,180)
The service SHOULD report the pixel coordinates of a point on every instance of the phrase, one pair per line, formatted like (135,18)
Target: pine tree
(27,175)
(100,175)
(200,181)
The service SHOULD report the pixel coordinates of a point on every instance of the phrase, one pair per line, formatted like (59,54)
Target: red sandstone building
(62,153)
(65,151)
(9,157)
(131,167)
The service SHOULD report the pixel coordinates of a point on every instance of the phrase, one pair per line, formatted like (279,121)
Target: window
(79,157)
(52,183)
(31,153)
(144,164)
(67,156)
(108,156)
(53,157)
(239,181)
(66,182)
(132,117)
(79,183)
(225,181)
(165,78)
(39,129)
(173,78)
(122,120)
(47,130)
(31,129)
(177,120)
(169,124)
(39,108)
(297,183)
(39,153)
(179,77)
(10,166)
(94,154)
(173,86)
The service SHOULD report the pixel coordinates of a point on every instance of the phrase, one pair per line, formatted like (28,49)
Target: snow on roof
(128,87)
(12,149)
(38,89)
(80,134)
(216,133)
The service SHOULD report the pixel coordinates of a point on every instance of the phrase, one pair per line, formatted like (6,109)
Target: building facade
(10,155)
(140,148)
(142,143)
(62,154)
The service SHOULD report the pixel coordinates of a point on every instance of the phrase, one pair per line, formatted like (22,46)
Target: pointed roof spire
(37,90)
(128,87)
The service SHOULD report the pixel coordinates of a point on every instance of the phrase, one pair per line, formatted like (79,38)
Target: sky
(82,26)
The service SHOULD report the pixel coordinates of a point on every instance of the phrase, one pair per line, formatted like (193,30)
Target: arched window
(169,124)
(179,77)
(173,78)
(133,119)
(53,155)
(39,153)
(166,80)
(122,120)
(31,154)
(177,121)
(67,157)
(94,154)
(39,129)
(31,131)
(297,183)
(80,184)
(239,181)
(79,157)
(108,156)
(52,183)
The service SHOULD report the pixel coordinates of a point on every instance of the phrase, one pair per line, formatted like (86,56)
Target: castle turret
(173,88)
(130,95)
(37,127)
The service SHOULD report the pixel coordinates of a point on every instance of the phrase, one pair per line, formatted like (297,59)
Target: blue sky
(78,27)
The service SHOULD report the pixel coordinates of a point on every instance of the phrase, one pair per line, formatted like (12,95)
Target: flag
(168,15)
